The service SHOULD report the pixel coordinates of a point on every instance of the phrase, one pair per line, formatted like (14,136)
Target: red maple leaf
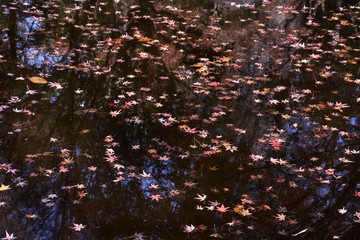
(275,144)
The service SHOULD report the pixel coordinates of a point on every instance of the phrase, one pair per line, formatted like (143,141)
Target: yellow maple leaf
(226,144)
(4,187)
(238,209)
(225,59)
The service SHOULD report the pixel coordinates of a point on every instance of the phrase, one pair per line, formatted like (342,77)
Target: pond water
(179,119)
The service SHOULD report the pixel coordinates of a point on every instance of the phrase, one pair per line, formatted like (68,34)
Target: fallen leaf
(280,217)
(222,208)
(156,197)
(9,236)
(4,187)
(38,80)
(342,210)
(78,227)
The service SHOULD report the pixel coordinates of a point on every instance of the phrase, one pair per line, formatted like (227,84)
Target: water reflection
(188,119)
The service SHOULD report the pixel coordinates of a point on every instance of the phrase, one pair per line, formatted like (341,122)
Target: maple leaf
(63,169)
(231,148)
(275,144)
(4,187)
(246,212)
(78,227)
(156,197)
(189,184)
(255,157)
(189,229)
(52,196)
(224,59)
(92,168)
(210,208)
(222,208)
(280,217)
(174,192)
(8,236)
(190,130)
(342,210)
(82,194)
(55,85)
(203,133)
(114,113)
(282,162)
(201,198)
(145,174)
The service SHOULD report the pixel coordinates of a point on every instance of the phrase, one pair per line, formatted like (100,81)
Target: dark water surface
(179,119)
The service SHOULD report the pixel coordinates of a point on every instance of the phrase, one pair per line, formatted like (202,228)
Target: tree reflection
(163,120)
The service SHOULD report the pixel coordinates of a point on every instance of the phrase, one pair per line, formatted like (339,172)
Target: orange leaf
(37,80)
(225,59)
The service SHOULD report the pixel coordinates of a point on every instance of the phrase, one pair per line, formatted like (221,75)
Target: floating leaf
(224,59)
(38,80)
(4,187)
(222,208)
